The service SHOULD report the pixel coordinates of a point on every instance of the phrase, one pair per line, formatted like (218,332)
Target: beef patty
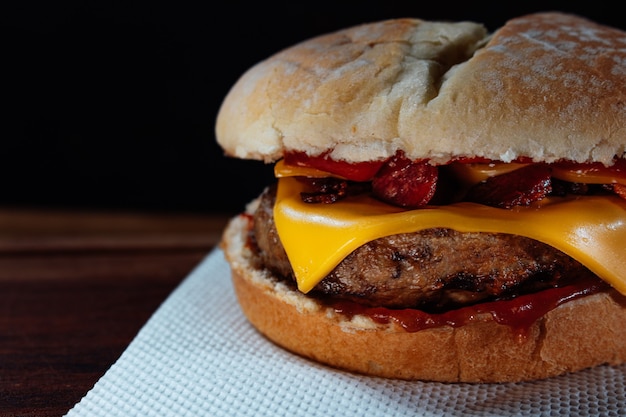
(433,269)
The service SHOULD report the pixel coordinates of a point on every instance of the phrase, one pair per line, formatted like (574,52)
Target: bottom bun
(579,334)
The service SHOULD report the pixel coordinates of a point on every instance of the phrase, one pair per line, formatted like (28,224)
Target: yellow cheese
(316,237)
(281,169)
(470,174)
(588,177)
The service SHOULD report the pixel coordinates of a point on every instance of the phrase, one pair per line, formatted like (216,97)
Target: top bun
(547,86)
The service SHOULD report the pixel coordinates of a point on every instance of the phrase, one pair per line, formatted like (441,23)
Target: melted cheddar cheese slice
(316,237)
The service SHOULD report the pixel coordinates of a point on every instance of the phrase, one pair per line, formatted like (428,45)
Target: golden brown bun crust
(577,335)
(546,86)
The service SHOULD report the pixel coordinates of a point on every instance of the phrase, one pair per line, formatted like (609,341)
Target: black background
(113,105)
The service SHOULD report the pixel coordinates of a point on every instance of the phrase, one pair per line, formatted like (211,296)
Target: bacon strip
(405,183)
(516,188)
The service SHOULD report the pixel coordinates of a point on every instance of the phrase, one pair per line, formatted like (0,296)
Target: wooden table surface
(76,287)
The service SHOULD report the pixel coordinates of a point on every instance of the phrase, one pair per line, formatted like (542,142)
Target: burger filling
(433,270)
(438,269)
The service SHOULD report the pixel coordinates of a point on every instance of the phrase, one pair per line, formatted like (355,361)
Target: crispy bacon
(516,188)
(414,184)
(328,190)
(324,190)
(405,183)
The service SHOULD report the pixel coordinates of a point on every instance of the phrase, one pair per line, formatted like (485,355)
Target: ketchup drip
(519,313)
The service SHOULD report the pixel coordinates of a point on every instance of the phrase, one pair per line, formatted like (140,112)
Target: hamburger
(449,204)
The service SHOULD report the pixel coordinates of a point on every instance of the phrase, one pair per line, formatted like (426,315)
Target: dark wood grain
(72,299)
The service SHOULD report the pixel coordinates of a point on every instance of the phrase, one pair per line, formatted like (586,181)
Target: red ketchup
(519,313)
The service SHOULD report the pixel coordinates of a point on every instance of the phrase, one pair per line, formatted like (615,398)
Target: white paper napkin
(198,356)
